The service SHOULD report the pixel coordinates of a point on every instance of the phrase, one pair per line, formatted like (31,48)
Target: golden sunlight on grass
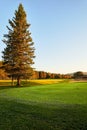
(47,81)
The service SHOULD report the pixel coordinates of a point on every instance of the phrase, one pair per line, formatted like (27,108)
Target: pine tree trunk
(18,81)
(12,81)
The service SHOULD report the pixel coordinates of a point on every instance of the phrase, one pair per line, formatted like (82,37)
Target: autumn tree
(19,52)
(3,74)
(78,75)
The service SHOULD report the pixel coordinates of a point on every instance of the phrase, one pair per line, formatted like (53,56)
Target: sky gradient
(58,29)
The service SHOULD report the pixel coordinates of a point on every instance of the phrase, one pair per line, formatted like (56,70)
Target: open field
(43,105)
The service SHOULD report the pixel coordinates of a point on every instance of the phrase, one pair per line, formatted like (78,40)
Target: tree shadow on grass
(29,116)
(24,84)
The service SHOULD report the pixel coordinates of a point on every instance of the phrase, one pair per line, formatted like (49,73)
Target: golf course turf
(52,106)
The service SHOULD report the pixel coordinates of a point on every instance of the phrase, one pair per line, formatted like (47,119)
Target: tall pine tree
(19,52)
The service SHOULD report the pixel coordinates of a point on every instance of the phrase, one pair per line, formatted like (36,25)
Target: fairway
(56,105)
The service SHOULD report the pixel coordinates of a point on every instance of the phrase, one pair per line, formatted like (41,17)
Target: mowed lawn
(39,105)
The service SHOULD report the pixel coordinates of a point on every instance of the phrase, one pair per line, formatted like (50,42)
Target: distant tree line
(80,75)
(36,74)
(46,75)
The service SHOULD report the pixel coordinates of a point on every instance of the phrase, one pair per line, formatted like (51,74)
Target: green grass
(56,105)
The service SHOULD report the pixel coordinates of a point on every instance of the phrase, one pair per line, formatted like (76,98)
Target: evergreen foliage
(19,52)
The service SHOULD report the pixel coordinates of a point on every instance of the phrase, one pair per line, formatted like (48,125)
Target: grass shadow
(28,116)
(23,84)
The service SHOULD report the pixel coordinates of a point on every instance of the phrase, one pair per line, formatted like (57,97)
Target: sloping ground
(61,106)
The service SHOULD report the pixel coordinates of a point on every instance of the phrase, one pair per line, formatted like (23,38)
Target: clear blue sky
(59,31)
